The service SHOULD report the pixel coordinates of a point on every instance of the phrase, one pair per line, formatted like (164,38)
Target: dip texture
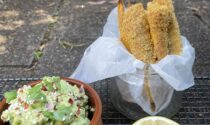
(51,102)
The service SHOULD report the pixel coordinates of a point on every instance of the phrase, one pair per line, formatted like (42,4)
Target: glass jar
(133,110)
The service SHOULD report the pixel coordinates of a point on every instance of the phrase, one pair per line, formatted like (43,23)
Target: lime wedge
(155,120)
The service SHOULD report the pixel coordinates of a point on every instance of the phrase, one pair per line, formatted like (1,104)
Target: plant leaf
(38,54)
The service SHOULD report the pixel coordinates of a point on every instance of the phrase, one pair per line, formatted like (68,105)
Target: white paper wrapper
(107,57)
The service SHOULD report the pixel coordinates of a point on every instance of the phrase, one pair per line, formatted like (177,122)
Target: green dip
(52,102)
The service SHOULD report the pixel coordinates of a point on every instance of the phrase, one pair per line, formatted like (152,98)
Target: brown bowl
(94,101)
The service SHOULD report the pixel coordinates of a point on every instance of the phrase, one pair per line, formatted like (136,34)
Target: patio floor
(59,31)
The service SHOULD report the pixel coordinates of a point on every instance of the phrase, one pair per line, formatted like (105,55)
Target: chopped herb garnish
(35,93)
(48,115)
(10,95)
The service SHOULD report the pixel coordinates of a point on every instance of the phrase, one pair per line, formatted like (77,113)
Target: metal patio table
(195,109)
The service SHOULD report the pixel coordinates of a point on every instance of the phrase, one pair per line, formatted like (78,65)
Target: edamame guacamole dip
(51,102)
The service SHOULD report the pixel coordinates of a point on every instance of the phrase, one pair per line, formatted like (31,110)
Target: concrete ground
(48,37)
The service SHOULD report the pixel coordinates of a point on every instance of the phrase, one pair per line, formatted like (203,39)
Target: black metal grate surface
(195,110)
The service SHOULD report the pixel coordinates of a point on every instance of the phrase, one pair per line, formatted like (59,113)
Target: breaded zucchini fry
(174,33)
(175,45)
(122,27)
(159,18)
(137,33)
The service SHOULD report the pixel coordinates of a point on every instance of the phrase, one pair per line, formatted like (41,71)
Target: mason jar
(121,98)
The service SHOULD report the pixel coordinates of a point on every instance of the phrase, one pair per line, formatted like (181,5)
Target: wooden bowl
(94,101)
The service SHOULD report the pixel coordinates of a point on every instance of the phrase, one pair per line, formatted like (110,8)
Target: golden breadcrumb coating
(159,18)
(122,28)
(149,35)
(129,3)
(135,33)
(175,45)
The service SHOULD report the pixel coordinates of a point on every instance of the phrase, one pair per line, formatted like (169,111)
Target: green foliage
(38,54)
